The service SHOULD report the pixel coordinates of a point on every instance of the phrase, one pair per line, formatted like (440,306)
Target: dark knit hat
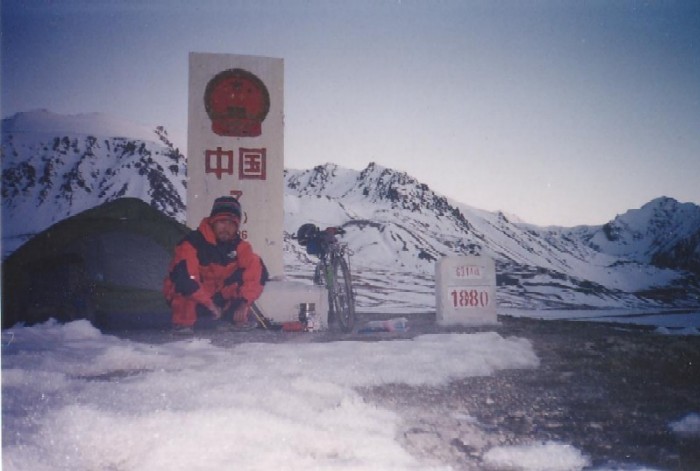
(226,206)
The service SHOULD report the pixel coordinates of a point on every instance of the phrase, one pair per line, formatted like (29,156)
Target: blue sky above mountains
(562,113)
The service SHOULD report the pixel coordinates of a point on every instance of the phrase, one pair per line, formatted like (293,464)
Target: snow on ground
(76,399)
(558,457)
(690,424)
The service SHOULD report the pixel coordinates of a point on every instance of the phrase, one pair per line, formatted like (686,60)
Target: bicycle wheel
(340,296)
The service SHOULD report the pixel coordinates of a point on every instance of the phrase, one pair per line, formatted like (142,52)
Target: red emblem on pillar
(237,103)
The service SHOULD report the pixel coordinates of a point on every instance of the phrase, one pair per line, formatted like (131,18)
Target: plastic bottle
(398,324)
(311,321)
(307,315)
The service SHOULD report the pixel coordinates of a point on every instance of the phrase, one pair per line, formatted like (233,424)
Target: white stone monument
(235,145)
(466,290)
(236,148)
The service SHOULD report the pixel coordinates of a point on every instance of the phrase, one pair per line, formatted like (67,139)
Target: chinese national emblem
(237,103)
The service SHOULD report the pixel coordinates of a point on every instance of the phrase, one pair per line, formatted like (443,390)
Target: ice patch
(689,424)
(549,456)
(76,399)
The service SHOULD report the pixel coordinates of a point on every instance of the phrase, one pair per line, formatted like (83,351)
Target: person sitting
(214,272)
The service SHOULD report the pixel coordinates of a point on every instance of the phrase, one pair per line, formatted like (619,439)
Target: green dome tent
(105,264)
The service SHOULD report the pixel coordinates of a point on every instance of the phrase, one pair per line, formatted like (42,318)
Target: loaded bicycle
(332,271)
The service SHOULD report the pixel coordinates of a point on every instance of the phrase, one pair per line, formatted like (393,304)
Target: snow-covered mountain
(54,166)
(400,226)
(397,227)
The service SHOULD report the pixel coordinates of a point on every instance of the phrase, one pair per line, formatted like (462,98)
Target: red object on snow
(294,326)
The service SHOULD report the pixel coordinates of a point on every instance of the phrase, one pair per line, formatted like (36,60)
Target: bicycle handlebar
(334,230)
(309,233)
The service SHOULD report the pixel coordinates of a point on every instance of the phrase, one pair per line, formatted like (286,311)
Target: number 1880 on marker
(469,298)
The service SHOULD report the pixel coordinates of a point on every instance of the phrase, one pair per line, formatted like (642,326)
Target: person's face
(225,229)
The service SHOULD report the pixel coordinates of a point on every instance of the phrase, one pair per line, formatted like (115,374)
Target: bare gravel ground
(609,390)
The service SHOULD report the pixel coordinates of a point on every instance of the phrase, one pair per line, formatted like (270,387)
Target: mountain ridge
(407,216)
(59,170)
(397,226)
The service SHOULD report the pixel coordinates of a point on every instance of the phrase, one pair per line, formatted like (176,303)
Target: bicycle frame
(333,271)
(326,260)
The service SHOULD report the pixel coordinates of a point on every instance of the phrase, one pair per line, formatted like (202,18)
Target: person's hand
(216,311)
(218,299)
(241,315)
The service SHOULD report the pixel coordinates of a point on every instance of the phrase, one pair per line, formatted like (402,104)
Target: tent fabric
(105,264)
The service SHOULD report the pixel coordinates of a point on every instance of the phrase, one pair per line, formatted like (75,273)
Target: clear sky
(559,112)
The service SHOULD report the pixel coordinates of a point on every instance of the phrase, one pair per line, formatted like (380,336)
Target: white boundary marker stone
(466,290)
(235,145)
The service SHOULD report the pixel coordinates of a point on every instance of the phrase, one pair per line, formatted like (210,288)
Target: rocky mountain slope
(55,166)
(399,226)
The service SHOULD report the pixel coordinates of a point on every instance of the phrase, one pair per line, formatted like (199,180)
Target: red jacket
(201,268)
